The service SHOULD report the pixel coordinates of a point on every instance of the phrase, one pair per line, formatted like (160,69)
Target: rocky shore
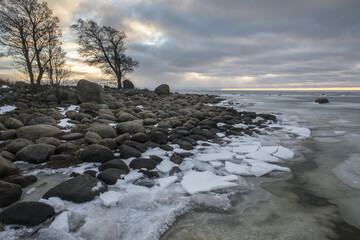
(61,127)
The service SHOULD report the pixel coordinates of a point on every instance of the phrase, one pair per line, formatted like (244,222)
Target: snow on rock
(55,202)
(165,166)
(284,153)
(64,123)
(238,169)
(61,222)
(245,149)
(301,132)
(197,182)
(6,108)
(261,155)
(207,157)
(260,168)
(166,181)
(110,198)
(5,86)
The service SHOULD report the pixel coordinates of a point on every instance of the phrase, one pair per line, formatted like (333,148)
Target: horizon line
(294,89)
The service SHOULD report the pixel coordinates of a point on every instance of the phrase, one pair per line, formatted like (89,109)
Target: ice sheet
(244,170)
(245,149)
(167,181)
(261,155)
(223,156)
(349,171)
(259,168)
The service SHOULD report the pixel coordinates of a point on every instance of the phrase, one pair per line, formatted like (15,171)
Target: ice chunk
(284,153)
(207,157)
(259,168)
(349,171)
(245,149)
(165,166)
(220,135)
(64,123)
(301,132)
(132,176)
(270,149)
(216,164)
(6,108)
(167,181)
(238,169)
(5,86)
(262,156)
(30,191)
(211,201)
(55,202)
(97,187)
(100,228)
(196,182)
(241,125)
(220,124)
(110,198)
(61,222)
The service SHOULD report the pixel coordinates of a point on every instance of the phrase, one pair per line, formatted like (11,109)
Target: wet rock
(150,174)
(163,90)
(96,153)
(7,155)
(36,153)
(18,144)
(166,147)
(159,137)
(111,175)
(105,131)
(147,163)
(23,181)
(13,123)
(91,137)
(115,163)
(322,100)
(156,158)
(61,157)
(128,152)
(37,131)
(27,213)
(72,136)
(131,127)
(202,132)
(174,170)
(79,189)
(82,117)
(89,91)
(91,173)
(138,146)
(9,193)
(150,121)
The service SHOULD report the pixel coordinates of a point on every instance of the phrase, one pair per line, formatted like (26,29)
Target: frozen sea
(231,191)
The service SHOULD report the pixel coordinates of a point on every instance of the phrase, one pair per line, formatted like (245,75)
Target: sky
(212,44)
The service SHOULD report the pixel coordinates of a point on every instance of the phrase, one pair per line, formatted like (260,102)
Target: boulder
(96,153)
(127,84)
(81,116)
(36,153)
(122,138)
(176,158)
(72,136)
(109,143)
(7,134)
(23,181)
(18,144)
(9,193)
(27,213)
(131,127)
(183,144)
(115,163)
(322,100)
(37,131)
(49,140)
(105,131)
(91,137)
(79,189)
(89,91)
(7,168)
(128,152)
(111,175)
(140,137)
(43,120)
(7,155)
(147,163)
(159,137)
(125,117)
(13,123)
(163,90)
(66,147)
(51,233)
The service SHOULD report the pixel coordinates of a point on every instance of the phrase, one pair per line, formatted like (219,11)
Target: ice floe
(259,168)
(239,169)
(223,156)
(245,149)
(261,155)
(167,181)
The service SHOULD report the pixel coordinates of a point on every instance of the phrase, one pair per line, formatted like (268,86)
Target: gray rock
(131,127)
(96,153)
(36,153)
(13,123)
(115,163)
(163,90)
(128,152)
(18,144)
(105,131)
(37,131)
(91,137)
(66,147)
(125,117)
(150,121)
(9,193)
(147,163)
(111,175)
(51,233)
(43,120)
(127,84)
(60,157)
(203,132)
(122,138)
(27,213)
(7,155)
(7,168)
(176,158)
(81,116)
(140,137)
(183,144)
(49,140)
(72,136)
(89,91)
(7,134)
(159,137)
(322,100)
(78,189)
(23,181)
(109,143)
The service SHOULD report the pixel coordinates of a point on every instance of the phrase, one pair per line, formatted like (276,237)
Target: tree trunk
(119,76)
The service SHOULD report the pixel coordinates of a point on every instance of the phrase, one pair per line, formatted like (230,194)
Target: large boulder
(9,193)
(37,131)
(18,144)
(13,123)
(115,163)
(147,163)
(127,84)
(111,175)
(7,168)
(163,90)
(80,189)
(105,131)
(130,127)
(27,213)
(91,137)
(89,91)
(96,153)
(43,120)
(36,153)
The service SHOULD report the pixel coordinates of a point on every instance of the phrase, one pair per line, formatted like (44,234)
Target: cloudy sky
(226,44)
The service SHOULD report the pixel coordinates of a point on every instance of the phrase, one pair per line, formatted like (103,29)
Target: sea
(314,195)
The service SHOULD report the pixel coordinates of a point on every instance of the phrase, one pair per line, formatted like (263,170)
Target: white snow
(223,156)
(97,187)
(167,181)
(238,169)
(64,123)
(112,124)
(196,182)
(261,155)
(270,149)
(259,168)
(216,164)
(245,149)
(220,124)
(61,222)
(6,108)
(110,198)
(241,125)
(165,166)
(5,86)
(133,176)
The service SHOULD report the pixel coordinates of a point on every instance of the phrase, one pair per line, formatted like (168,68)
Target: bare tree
(104,46)
(27,30)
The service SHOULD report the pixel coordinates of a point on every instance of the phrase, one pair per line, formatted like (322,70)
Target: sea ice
(166,181)
(270,149)
(216,164)
(196,182)
(301,132)
(259,168)
(6,108)
(349,171)
(165,166)
(245,149)
(133,176)
(61,222)
(207,157)
(238,169)
(262,156)
(284,153)
(110,198)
